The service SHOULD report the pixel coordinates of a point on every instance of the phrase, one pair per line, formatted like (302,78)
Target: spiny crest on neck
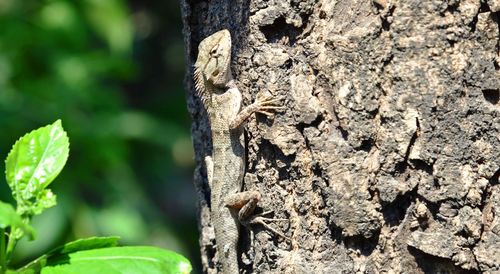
(212,65)
(200,86)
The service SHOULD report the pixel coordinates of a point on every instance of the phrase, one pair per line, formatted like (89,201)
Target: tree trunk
(387,156)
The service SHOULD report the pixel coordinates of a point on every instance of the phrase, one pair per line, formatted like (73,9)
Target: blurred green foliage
(112,71)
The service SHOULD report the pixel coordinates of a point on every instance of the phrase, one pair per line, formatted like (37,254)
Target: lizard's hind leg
(245,203)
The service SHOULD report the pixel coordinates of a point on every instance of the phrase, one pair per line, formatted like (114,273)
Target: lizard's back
(228,155)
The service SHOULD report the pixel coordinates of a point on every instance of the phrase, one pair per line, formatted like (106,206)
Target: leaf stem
(3,261)
(11,243)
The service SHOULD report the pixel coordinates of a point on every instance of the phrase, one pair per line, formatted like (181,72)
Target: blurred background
(112,71)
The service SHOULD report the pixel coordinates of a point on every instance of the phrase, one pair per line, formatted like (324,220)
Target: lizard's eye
(215,72)
(213,51)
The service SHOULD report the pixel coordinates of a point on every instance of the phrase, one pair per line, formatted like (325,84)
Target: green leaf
(33,163)
(46,199)
(71,247)
(120,260)
(86,244)
(9,218)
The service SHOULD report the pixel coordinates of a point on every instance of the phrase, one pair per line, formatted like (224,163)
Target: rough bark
(387,158)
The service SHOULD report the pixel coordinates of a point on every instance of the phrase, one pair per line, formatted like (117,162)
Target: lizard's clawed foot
(260,219)
(245,203)
(266,104)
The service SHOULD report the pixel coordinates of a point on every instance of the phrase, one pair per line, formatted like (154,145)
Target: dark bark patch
(280,30)
(418,164)
(395,212)
(492,95)
(494,179)
(432,264)
(366,145)
(363,245)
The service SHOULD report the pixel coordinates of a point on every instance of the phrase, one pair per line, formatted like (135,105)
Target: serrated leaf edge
(13,184)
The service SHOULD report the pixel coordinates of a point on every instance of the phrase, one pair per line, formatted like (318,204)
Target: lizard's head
(212,66)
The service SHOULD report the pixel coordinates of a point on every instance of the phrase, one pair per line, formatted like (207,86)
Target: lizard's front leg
(209,165)
(245,203)
(265,105)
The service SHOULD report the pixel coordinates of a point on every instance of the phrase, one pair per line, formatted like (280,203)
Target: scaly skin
(222,100)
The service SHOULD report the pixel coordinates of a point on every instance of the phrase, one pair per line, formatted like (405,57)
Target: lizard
(222,100)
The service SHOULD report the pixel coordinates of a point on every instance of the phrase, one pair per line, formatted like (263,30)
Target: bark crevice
(387,156)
